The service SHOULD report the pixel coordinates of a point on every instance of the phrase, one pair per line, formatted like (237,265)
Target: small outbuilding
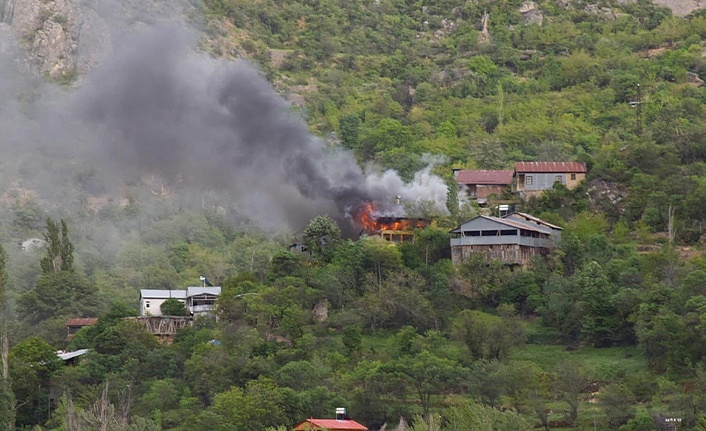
(76,324)
(480,185)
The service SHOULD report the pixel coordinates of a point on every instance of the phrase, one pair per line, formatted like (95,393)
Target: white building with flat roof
(197,300)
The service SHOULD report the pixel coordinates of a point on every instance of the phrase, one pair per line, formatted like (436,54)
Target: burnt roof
(469,176)
(575,167)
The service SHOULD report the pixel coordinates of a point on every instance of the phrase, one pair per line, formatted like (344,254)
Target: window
(528,180)
(557,179)
(573,177)
(147,304)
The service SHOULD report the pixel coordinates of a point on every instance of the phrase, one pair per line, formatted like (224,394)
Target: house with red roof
(533,178)
(329,425)
(76,324)
(341,423)
(482,184)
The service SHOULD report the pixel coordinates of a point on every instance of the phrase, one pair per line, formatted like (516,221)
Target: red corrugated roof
(332,424)
(576,167)
(82,321)
(467,176)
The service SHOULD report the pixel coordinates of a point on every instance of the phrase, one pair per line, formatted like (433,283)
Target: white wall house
(197,300)
(152,299)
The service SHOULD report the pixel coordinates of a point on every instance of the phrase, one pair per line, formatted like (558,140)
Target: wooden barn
(513,240)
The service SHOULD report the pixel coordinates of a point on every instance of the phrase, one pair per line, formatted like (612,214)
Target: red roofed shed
(74,325)
(481,184)
(329,425)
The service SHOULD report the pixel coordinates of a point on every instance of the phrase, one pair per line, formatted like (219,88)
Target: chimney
(341,413)
(398,199)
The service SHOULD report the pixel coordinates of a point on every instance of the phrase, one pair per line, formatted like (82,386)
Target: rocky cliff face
(66,38)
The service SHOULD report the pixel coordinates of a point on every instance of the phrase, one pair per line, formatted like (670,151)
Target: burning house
(391,228)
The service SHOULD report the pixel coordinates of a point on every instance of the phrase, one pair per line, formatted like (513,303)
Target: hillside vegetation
(607,332)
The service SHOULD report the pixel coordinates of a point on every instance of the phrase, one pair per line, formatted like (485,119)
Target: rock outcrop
(66,38)
(530,12)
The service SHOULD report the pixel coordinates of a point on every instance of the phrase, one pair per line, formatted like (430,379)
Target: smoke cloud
(159,107)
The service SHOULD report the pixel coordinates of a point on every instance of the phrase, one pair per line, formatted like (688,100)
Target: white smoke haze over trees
(158,108)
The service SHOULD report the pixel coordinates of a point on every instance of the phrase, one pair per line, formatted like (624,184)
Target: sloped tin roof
(534,219)
(548,167)
(511,223)
(330,424)
(468,176)
(82,321)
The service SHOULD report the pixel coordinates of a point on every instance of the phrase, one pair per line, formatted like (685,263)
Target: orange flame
(373,223)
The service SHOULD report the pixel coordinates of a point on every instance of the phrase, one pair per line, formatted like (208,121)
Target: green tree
(7,411)
(570,383)
(425,374)
(59,255)
(262,404)
(618,404)
(173,307)
(352,340)
(349,130)
(58,295)
(322,236)
(32,364)
(478,417)
(487,336)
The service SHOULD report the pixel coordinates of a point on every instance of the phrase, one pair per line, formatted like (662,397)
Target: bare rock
(682,7)
(694,79)
(531,13)
(64,38)
(484,33)
(320,311)
(278,57)
(603,12)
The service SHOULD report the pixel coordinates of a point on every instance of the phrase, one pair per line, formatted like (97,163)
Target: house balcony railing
(195,309)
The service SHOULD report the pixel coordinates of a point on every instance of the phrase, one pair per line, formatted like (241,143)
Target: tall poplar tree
(6,397)
(60,250)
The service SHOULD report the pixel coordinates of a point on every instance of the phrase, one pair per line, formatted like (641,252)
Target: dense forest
(607,332)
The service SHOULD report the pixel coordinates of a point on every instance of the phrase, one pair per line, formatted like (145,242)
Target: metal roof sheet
(468,176)
(535,219)
(211,290)
(512,223)
(547,167)
(65,356)
(332,424)
(162,294)
(82,321)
